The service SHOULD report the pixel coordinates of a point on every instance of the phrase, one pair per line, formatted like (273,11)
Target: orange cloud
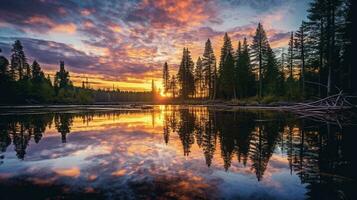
(69,28)
(65,28)
(72,172)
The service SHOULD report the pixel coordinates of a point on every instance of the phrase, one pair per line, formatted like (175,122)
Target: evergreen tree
(18,61)
(259,49)
(225,50)
(245,77)
(173,86)
(273,78)
(37,74)
(292,85)
(291,55)
(348,73)
(4,71)
(166,77)
(5,80)
(62,80)
(300,46)
(227,77)
(326,19)
(209,70)
(199,78)
(185,75)
(226,69)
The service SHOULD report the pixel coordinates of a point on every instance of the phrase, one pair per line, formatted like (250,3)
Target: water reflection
(161,153)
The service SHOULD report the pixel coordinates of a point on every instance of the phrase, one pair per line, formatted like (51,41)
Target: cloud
(260,5)
(117,40)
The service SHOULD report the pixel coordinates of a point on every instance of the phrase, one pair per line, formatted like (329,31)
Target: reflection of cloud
(72,172)
(122,154)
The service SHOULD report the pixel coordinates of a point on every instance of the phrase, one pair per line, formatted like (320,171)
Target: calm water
(174,153)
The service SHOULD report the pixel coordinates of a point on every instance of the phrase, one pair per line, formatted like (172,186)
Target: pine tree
(225,50)
(291,55)
(62,78)
(348,73)
(166,77)
(185,75)
(259,50)
(226,69)
(238,52)
(4,73)
(291,84)
(37,74)
(227,77)
(325,26)
(300,41)
(273,78)
(245,77)
(209,69)
(199,78)
(173,86)
(18,61)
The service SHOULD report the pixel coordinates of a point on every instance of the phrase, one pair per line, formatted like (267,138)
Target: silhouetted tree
(225,67)
(245,77)
(185,75)
(198,73)
(62,78)
(18,61)
(259,50)
(301,37)
(209,70)
(227,81)
(166,78)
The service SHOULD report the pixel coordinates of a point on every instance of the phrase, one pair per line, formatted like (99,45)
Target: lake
(174,152)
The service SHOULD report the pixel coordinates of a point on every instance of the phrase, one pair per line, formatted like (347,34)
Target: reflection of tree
(166,129)
(262,146)
(63,124)
(227,131)
(209,138)
(320,160)
(315,153)
(21,140)
(185,129)
(19,129)
(245,126)
(5,139)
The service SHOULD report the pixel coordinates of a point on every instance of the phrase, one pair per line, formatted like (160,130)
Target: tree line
(318,62)
(21,83)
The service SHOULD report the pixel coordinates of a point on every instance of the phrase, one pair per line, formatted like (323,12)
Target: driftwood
(335,109)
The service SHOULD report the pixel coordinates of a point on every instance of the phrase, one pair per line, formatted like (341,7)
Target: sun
(162,94)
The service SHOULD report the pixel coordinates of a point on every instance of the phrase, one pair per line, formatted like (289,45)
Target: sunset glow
(125,43)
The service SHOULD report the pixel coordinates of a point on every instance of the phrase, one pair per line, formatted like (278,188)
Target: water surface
(174,153)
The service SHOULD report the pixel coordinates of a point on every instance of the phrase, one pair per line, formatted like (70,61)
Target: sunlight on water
(174,152)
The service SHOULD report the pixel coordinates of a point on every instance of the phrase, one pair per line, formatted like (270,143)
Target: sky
(124,43)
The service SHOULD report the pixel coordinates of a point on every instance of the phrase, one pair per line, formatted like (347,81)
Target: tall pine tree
(185,75)
(165,77)
(209,70)
(225,68)
(199,78)
(259,49)
(245,77)
(18,61)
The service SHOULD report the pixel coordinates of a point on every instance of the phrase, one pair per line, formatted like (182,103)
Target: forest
(22,83)
(316,64)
